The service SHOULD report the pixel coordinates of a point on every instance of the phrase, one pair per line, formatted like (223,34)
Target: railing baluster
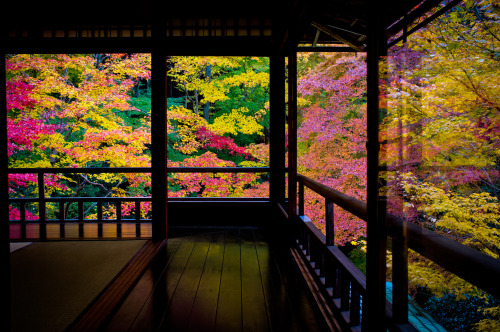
(41,206)
(344,290)
(301,199)
(138,218)
(22,211)
(81,232)
(80,211)
(119,218)
(118,210)
(138,210)
(400,275)
(338,283)
(329,223)
(22,217)
(61,211)
(99,211)
(99,220)
(62,230)
(355,315)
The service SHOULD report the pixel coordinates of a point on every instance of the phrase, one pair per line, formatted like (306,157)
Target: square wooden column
(292,135)
(159,142)
(277,128)
(374,306)
(4,183)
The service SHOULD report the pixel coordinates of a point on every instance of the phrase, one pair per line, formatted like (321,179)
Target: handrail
(348,203)
(76,170)
(467,263)
(95,170)
(218,169)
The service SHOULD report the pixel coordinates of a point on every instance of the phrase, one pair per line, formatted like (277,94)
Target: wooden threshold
(108,300)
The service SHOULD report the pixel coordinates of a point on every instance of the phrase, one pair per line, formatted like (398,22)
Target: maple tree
(332,133)
(441,142)
(68,111)
(234,94)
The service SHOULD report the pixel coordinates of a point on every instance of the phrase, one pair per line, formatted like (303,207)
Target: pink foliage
(15,214)
(219,142)
(333,128)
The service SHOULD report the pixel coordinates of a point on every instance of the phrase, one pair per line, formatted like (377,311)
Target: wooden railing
(343,285)
(63,203)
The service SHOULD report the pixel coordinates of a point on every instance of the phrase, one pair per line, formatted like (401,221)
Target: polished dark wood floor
(222,280)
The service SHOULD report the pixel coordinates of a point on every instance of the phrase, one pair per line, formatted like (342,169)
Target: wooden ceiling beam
(342,36)
(410,16)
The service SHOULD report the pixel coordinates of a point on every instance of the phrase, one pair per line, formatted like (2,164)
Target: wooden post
(159,133)
(374,308)
(4,182)
(292,135)
(277,128)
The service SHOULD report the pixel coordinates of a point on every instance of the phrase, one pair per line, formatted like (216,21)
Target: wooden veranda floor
(219,280)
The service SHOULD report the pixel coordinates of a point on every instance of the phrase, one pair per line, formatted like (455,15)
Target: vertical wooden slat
(99,211)
(344,290)
(138,210)
(119,219)
(61,212)
(99,220)
(338,285)
(62,230)
(22,212)
(307,244)
(138,218)
(119,211)
(81,231)
(41,206)
(329,223)
(80,211)
(354,314)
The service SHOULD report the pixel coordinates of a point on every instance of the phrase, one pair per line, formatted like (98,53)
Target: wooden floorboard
(181,303)
(224,280)
(254,308)
(228,316)
(204,310)
(152,314)
(138,298)
(99,311)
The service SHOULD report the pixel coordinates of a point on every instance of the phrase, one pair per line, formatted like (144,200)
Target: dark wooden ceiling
(219,26)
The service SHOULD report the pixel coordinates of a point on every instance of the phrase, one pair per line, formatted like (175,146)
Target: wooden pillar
(374,306)
(5,237)
(277,128)
(292,134)
(159,133)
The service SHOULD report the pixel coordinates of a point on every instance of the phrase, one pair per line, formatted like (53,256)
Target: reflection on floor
(223,280)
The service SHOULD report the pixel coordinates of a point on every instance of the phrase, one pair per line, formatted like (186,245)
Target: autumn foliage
(439,124)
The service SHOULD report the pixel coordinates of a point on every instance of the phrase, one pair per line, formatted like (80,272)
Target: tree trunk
(206,110)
